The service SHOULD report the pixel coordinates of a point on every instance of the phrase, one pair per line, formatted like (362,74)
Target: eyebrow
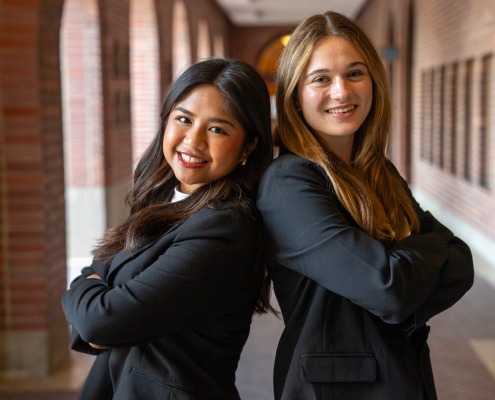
(216,120)
(351,65)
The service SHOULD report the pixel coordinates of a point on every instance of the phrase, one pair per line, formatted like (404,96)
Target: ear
(248,149)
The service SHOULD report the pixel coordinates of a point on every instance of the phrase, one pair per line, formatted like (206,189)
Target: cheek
(226,151)
(369,103)
(165,144)
(169,142)
(367,95)
(310,99)
(310,105)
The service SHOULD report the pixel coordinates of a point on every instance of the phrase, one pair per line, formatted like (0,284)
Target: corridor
(80,85)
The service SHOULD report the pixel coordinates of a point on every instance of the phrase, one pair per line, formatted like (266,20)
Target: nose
(339,89)
(195,137)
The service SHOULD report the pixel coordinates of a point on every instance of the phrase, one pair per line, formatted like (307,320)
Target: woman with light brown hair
(358,267)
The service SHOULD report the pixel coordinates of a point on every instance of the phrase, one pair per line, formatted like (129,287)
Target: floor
(462,342)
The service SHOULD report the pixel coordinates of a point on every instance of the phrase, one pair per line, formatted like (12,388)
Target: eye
(356,74)
(183,119)
(217,129)
(320,79)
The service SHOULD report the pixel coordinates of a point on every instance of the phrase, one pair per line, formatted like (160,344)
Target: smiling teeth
(341,110)
(192,160)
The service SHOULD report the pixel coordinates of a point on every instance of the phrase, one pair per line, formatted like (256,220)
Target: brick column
(33,331)
(114,22)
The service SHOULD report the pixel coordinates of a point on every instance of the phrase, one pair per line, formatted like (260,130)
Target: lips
(341,110)
(189,161)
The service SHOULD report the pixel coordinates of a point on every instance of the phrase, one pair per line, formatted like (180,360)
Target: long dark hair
(151,214)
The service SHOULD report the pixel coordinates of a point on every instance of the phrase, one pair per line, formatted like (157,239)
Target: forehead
(210,102)
(211,96)
(334,51)
(202,94)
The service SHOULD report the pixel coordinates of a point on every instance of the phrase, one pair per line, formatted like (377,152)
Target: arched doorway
(268,60)
(267,64)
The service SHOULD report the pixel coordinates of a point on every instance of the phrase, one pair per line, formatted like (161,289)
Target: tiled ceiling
(284,12)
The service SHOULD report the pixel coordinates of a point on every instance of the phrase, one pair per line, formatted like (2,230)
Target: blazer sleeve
(456,278)
(457,273)
(309,232)
(76,342)
(209,270)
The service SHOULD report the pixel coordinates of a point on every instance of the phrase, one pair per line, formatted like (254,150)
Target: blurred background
(81,83)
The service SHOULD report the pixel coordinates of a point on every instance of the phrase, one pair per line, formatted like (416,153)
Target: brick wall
(451,92)
(114,20)
(387,22)
(33,223)
(455,44)
(145,89)
(81,70)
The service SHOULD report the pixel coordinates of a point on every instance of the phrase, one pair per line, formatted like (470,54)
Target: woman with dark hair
(167,303)
(358,267)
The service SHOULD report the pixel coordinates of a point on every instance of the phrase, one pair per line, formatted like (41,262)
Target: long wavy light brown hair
(373,195)
(246,97)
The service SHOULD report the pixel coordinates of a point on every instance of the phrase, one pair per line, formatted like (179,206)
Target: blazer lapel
(123,257)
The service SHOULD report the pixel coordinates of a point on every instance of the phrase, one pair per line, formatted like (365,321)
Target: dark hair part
(151,214)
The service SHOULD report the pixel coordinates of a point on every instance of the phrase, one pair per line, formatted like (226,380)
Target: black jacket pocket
(351,367)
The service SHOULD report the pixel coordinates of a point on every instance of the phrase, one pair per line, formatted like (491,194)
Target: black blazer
(354,308)
(175,315)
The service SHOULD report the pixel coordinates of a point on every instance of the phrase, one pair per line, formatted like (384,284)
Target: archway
(267,64)
(268,60)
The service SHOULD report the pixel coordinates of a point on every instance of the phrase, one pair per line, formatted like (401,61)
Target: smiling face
(335,93)
(202,141)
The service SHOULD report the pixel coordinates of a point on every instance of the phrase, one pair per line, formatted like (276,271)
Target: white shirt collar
(178,196)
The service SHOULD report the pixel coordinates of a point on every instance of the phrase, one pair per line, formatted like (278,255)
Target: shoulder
(293,182)
(291,166)
(392,168)
(290,159)
(226,217)
(395,174)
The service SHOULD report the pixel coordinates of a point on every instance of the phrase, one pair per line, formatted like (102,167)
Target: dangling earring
(248,150)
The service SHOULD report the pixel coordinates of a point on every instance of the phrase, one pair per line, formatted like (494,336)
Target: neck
(341,146)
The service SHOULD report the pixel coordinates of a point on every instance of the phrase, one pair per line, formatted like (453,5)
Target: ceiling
(284,12)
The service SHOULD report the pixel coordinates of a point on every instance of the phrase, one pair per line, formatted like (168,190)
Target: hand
(93,276)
